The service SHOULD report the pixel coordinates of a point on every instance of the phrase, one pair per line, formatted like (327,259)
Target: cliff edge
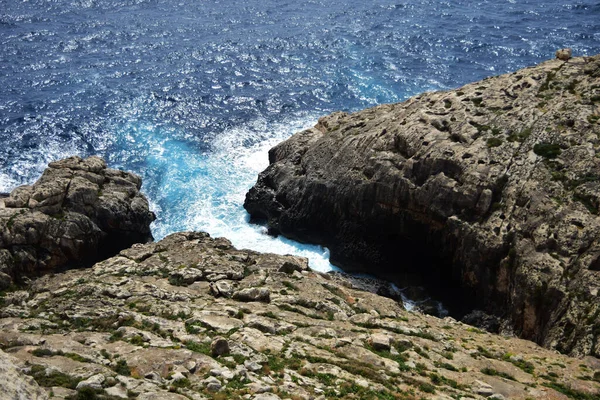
(491,190)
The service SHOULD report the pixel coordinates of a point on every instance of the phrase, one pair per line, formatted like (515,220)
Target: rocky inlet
(491,191)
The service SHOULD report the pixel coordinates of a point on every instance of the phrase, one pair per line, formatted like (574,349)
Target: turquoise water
(192,94)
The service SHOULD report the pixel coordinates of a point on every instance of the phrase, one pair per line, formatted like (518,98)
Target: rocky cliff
(77,213)
(191,317)
(490,191)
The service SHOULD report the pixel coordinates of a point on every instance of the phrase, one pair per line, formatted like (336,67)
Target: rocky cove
(490,190)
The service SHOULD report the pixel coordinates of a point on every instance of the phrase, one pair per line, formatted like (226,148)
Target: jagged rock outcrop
(148,324)
(78,212)
(492,190)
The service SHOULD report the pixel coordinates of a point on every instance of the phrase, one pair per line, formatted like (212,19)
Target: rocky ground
(491,192)
(191,317)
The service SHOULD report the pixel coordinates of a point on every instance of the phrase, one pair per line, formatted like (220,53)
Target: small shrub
(547,150)
(493,372)
(122,368)
(494,142)
(427,387)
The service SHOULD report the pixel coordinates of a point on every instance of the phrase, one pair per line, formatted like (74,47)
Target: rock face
(15,384)
(148,324)
(78,212)
(492,189)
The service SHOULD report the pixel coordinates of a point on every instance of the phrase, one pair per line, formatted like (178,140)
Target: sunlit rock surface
(491,192)
(150,323)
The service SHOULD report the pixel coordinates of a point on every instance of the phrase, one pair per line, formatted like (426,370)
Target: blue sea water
(191,94)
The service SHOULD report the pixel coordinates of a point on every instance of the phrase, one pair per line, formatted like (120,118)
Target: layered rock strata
(491,190)
(78,212)
(191,317)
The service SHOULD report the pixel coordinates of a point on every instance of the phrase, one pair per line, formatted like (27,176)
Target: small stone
(117,391)
(564,54)
(482,388)
(219,347)
(93,382)
(221,288)
(253,294)
(212,384)
(289,268)
(252,365)
(190,365)
(258,387)
(380,342)
(497,396)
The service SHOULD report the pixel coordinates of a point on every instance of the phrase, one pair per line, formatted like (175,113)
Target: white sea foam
(195,190)
(6,183)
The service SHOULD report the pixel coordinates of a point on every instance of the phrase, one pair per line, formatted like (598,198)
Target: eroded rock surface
(15,384)
(492,189)
(78,212)
(139,326)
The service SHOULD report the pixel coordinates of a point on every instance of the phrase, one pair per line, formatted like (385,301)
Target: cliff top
(193,317)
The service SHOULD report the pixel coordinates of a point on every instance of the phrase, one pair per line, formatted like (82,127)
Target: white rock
(94,382)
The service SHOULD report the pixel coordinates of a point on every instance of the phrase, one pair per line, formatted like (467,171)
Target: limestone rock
(564,54)
(490,192)
(380,342)
(219,347)
(16,385)
(93,382)
(253,294)
(79,211)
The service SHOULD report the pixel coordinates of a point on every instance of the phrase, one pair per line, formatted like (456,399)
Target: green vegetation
(122,368)
(572,393)
(494,142)
(524,365)
(446,365)
(442,380)
(477,101)
(520,136)
(427,387)
(485,352)
(52,377)
(203,348)
(547,150)
(546,84)
(290,286)
(493,372)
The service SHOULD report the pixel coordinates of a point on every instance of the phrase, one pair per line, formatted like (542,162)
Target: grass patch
(203,348)
(524,365)
(493,372)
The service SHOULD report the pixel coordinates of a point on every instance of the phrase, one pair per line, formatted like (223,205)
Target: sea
(191,94)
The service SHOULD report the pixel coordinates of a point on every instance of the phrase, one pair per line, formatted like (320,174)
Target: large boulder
(491,190)
(78,212)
